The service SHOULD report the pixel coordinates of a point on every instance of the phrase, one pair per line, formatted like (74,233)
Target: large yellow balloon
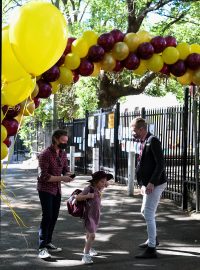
(15,92)
(66,76)
(4,150)
(142,68)
(144,36)
(155,63)
(90,37)
(80,47)
(11,68)
(120,51)
(195,48)
(170,55)
(4,133)
(196,77)
(132,40)
(72,61)
(38,36)
(108,63)
(184,50)
(186,79)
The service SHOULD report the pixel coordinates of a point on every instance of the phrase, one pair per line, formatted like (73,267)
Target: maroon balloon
(170,41)
(37,102)
(86,68)
(96,53)
(178,69)
(165,70)
(119,66)
(7,141)
(117,35)
(11,125)
(69,45)
(132,61)
(52,74)
(11,112)
(193,61)
(159,43)
(44,89)
(75,76)
(145,50)
(61,61)
(106,41)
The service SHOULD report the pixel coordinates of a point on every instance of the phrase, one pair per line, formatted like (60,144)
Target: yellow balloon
(2,116)
(132,40)
(66,76)
(195,48)
(20,118)
(120,51)
(27,107)
(55,86)
(15,92)
(186,79)
(170,55)
(38,36)
(144,36)
(4,150)
(80,47)
(72,61)
(90,37)
(108,63)
(11,68)
(142,68)
(4,133)
(155,63)
(184,50)
(196,77)
(96,71)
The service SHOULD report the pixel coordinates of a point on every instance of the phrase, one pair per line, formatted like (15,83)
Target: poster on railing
(91,122)
(107,134)
(111,136)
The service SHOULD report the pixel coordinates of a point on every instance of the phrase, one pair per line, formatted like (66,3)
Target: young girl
(92,195)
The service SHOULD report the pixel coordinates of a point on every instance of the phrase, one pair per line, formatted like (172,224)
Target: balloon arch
(37,56)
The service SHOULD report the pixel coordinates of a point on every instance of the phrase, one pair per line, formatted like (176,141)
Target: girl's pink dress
(92,212)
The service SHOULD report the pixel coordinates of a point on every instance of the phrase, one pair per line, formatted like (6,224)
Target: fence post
(143,113)
(116,139)
(95,158)
(131,172)
(86,143)
(185,139)
(72,159)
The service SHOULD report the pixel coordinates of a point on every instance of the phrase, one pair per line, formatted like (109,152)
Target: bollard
(95,158)
(72,159)
(131,173)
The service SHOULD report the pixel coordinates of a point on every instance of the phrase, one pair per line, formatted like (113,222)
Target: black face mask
(62,145)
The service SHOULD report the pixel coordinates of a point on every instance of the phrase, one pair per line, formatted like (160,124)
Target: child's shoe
(86,259)
(93,252)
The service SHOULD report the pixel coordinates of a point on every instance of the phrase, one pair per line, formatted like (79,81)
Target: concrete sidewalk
(122,229)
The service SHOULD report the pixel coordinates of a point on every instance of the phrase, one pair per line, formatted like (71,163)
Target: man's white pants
(149,206)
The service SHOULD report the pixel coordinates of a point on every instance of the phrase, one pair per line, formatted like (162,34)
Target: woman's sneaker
(53,248)
(43,253)
(86,259)
(93,252)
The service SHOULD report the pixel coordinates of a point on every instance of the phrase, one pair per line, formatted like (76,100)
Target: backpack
(76,208)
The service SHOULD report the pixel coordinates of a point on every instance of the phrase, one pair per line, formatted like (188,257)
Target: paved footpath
(122,229)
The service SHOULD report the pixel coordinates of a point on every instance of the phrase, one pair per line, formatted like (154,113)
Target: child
(92,195)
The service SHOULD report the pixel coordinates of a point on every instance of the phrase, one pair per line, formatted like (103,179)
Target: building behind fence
(178,128)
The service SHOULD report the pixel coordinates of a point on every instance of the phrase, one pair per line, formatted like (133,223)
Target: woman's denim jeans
(149,206)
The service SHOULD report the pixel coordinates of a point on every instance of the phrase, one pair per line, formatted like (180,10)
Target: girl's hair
(57,134)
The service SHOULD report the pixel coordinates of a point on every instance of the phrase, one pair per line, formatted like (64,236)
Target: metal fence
(178,128)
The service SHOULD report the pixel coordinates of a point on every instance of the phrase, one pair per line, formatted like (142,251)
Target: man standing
(53,169)
(151,176)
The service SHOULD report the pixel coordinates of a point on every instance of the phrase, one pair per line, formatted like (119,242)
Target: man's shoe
(86,259)
(149,253)
(53,248)
(43,253)
(145,244)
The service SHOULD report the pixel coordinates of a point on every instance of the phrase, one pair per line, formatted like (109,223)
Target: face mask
(62,145)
